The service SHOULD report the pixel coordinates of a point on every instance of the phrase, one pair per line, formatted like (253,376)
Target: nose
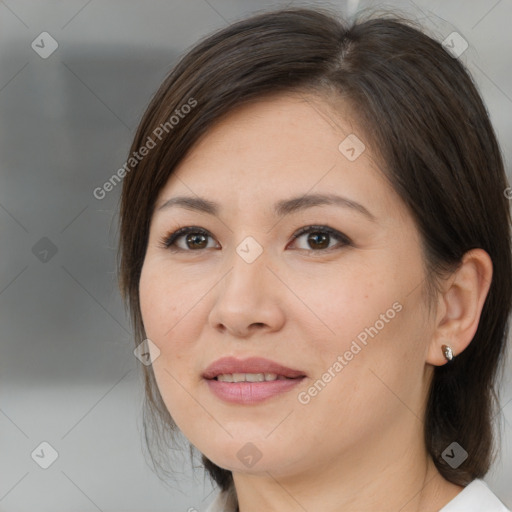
(248,299)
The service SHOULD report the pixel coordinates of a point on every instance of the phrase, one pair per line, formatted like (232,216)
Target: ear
(460,305)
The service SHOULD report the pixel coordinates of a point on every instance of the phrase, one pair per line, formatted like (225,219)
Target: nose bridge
(248,268)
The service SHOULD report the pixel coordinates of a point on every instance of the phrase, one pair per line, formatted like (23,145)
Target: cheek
(163,316)
(174,305)
(164,302)
(375,335)
(371,382)
(164,305)
(343,301)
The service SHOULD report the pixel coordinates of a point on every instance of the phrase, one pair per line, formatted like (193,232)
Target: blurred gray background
(68,376)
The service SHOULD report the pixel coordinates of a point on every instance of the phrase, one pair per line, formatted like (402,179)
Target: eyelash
(168,241)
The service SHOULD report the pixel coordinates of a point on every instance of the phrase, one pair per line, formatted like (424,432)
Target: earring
(448,352)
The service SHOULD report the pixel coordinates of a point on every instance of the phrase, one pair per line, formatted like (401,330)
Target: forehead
(286,127)
(278,147)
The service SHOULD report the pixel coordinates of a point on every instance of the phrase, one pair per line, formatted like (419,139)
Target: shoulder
(224,501)
(476,497)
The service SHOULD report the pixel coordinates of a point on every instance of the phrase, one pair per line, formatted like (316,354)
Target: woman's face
(342,303)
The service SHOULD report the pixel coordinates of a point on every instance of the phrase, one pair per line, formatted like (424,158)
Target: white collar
(475,497)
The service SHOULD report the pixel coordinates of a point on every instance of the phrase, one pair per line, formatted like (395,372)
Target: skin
(358,444)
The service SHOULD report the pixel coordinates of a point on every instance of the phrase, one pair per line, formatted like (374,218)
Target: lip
(248,393)
(250,365)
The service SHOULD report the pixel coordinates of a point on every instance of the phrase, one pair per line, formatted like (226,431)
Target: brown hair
(420,109)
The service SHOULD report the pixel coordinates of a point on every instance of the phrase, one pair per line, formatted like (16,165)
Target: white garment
(476,497)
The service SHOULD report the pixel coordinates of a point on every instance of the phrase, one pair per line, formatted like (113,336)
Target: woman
(315,249)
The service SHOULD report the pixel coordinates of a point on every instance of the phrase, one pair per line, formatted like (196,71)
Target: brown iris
(319,238)
(196,238)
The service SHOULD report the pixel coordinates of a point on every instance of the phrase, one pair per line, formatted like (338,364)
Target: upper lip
(228,365)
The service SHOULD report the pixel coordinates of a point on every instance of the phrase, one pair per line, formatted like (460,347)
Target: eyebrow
(281,208)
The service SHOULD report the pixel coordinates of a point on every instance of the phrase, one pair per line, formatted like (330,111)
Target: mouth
(250,381)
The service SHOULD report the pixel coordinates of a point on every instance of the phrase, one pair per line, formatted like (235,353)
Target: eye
(319,237)
(196,238)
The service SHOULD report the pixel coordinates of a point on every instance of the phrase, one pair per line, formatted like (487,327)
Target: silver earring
(448,352)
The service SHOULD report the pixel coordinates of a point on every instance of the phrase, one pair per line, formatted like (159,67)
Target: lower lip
(250,392)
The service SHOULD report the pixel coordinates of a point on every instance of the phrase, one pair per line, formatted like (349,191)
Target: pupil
(314,237)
